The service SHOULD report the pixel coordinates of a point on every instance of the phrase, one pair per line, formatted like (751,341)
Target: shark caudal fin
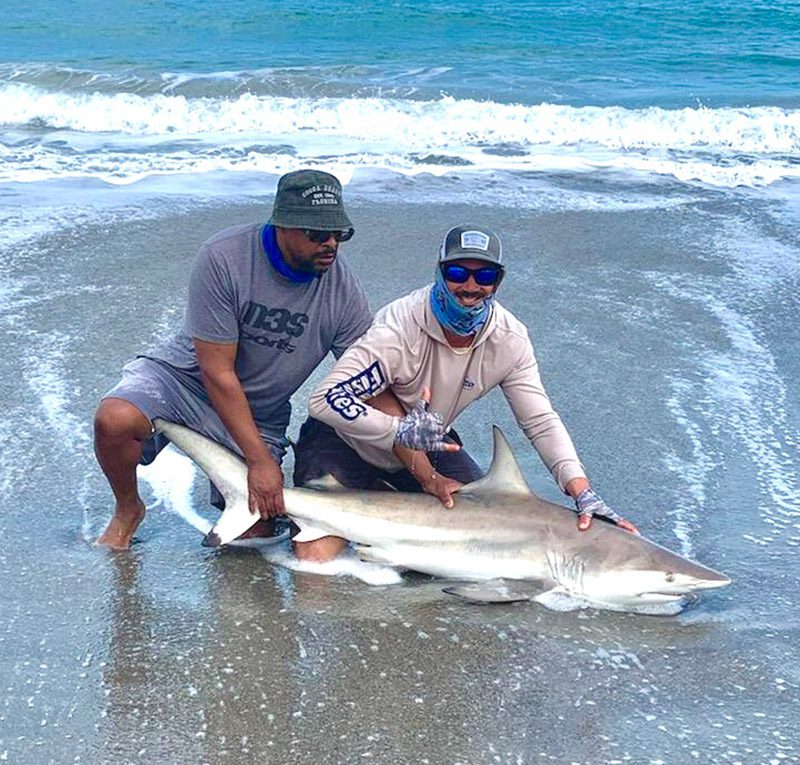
(504,476)
(228,473)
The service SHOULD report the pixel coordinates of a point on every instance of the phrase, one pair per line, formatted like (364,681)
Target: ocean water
(703,91)
(641,161)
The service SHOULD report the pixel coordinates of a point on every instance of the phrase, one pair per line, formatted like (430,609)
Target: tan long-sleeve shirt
(405,349)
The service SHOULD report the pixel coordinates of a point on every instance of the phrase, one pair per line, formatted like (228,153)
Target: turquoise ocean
(704,92)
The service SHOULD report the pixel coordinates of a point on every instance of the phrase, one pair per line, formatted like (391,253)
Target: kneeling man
(455,340)
(267,302)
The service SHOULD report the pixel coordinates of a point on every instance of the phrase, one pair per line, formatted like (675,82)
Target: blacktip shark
(509,544)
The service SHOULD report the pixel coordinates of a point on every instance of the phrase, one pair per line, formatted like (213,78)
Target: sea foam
(125,136)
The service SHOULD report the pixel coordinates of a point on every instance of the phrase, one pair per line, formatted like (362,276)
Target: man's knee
(320,550)
(117,419)
(320,452)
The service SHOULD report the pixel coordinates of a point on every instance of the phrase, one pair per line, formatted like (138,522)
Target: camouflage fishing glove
(589,503)
(421,429)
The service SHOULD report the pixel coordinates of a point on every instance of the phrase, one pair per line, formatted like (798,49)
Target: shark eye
(670,576)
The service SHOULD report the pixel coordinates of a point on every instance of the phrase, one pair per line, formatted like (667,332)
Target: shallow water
(665,321)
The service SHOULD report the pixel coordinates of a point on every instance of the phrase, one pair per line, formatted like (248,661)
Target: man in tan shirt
(455,341)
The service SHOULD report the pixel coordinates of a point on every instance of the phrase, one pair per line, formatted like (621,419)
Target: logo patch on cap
(474,240)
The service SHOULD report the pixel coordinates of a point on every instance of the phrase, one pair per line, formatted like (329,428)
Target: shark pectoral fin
(309,533)
(500,590)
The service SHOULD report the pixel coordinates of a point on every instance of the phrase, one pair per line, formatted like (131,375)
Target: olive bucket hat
(310,199)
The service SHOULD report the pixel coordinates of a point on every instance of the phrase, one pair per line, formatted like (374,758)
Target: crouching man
(267,302)
(369,425)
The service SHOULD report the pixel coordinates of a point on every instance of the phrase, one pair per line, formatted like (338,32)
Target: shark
(500,543)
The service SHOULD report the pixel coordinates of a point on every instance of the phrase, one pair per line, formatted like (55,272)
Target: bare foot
(121,527)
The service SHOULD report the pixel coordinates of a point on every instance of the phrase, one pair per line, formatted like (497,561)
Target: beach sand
(175,653)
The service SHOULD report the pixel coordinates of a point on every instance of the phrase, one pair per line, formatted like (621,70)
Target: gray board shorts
(157,390)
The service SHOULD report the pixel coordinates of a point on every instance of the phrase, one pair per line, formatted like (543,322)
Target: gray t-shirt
(283,328)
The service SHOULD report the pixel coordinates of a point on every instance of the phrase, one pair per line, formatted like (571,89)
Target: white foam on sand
(748,379)
(748,384)
(695,469)
(44,373)
(735,393)
(45,377)
(746,397)
(692,460)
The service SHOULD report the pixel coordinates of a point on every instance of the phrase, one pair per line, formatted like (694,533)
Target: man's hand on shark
(442,487)
(423,429)
(265,489)
(589,504)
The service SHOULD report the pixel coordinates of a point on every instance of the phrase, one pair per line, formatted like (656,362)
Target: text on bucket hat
(310,199)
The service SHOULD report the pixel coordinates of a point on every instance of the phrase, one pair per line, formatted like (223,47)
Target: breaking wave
(120,136)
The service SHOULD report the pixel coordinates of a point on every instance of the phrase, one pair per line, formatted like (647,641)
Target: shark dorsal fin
(324,483)
(504,476)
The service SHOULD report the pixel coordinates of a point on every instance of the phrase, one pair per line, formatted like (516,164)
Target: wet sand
(174,653)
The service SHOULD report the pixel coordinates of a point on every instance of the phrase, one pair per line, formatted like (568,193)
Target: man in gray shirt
(266,304)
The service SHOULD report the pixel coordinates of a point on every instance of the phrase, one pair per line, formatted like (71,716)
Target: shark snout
(711,584)
(683,584)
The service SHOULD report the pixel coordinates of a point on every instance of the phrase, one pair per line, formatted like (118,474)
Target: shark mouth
(669,597)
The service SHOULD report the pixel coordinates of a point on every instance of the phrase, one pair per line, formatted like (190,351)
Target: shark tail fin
(226,470)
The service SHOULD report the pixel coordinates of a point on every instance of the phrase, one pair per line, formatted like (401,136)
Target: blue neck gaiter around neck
(454,316)
(270,241)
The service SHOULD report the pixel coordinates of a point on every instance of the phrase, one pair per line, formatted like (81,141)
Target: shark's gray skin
(511,543)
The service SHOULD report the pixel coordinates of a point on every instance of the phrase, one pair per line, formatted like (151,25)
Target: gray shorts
(157,391)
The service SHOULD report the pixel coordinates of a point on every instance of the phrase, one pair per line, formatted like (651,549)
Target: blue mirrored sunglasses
(485,276)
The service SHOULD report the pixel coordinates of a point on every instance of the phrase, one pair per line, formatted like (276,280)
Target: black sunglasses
(320,237)
(485,276)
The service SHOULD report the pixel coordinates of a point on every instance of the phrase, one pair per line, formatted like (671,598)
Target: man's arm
(361,373)
(356,317)
(264,476)
(415,460)
(534,412)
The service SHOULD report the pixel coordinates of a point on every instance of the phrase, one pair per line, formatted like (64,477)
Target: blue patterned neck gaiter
(454,316)
(270,241)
